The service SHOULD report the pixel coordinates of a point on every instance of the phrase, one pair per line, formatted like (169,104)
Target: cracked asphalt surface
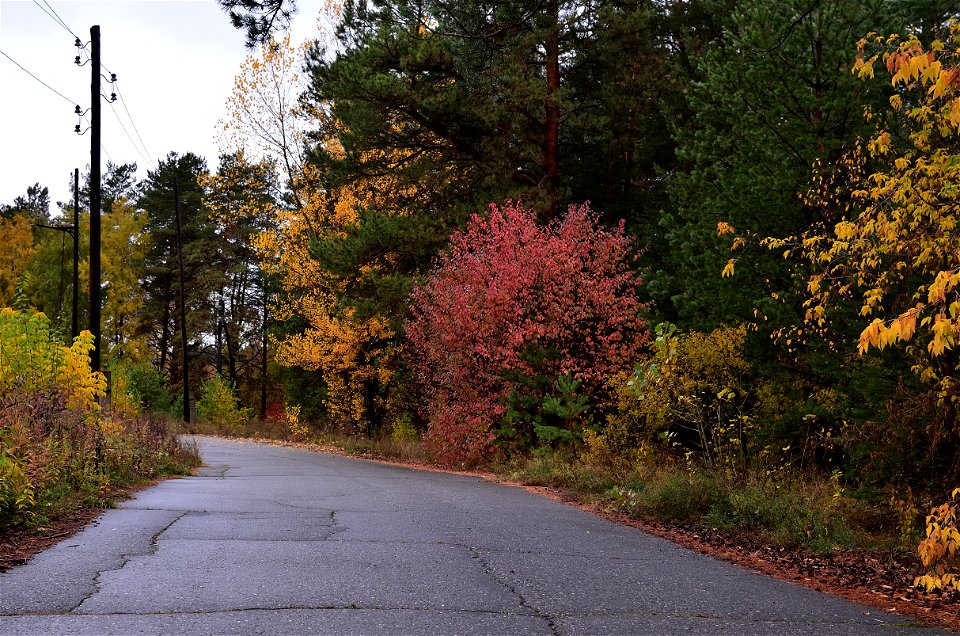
(271,540)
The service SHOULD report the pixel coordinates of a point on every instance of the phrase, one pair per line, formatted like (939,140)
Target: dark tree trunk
(551,141)
(165,334)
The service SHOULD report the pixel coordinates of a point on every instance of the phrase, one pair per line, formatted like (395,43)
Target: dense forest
(710,234)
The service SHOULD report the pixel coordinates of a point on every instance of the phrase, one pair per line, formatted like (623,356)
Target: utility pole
(220,318)
(95,203)
(75,326)
(263,360)
(183,306)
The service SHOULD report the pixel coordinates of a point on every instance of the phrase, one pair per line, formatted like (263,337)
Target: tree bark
(551,141)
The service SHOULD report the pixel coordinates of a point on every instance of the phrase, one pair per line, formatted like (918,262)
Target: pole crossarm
(66,227)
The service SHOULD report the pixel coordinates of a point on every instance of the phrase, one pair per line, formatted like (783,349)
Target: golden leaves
(728,268)
(939,550)
(264,115)
(864,68)
(904,229)
(16,237)
(348,350)
(942,284)
(880,335)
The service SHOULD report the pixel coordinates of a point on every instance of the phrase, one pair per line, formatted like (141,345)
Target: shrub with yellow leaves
(690,392)
(54,439)
(32,360)
(940,551)
(298,430)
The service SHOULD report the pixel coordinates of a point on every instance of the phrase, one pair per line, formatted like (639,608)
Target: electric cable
(56,18)
(37,78)
(124,129)
(134,124)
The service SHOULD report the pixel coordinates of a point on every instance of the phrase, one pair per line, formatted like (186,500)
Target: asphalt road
(276,540)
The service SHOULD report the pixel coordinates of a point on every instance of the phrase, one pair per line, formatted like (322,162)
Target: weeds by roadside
(59,449)
(793,510)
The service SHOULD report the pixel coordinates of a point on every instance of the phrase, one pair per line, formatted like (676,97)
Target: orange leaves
(901,248)
(880,335)
(908,63)
(889,244)
(940,549)
(16,237)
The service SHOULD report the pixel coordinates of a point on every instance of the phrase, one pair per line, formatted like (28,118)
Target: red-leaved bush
(507,284)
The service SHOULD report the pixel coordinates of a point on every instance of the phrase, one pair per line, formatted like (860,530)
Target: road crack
(524,603)
(124,559)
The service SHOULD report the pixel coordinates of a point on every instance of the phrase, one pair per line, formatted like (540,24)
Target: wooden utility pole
(95,204)
(183,306)
(263,360)
(75,325)
(221,311)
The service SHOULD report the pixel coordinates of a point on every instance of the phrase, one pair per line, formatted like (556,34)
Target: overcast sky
(175,62)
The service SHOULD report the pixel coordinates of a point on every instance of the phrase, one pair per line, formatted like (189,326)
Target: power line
(113,110)
(56,18)
(149,155)
(145,152)
(53,15)
(61,20)
(130,117)
(74,102)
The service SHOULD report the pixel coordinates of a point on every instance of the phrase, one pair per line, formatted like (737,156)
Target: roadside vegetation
(58,449)
(694,261)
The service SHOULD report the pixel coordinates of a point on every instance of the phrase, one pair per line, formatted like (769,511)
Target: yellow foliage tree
(893,247)
(264,116)
(352,351)
(348,350)
(124,247)
(16,237)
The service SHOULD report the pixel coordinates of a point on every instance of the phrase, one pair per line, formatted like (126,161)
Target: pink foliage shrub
(506,284)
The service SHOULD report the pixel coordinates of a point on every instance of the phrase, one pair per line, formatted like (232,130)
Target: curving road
(274,540)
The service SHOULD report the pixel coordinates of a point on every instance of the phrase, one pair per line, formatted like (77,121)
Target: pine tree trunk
(551,141)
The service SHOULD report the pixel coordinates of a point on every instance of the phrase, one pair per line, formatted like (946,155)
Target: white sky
(175,62)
